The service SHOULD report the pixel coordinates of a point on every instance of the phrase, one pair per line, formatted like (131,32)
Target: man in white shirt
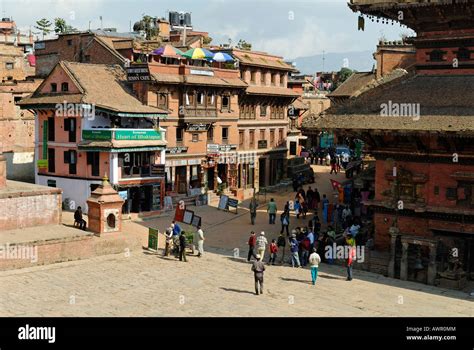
(314,260)
(200,241)
(261,244)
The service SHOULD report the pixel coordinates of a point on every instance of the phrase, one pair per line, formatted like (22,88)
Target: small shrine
(105,209)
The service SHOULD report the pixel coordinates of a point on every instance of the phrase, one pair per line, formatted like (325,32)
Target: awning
(123,150)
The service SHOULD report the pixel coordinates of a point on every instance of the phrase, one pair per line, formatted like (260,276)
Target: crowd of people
(305,244)
(176,241)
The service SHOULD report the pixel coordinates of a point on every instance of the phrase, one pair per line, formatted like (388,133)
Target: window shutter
(89,158)
(72,157)
(67,157)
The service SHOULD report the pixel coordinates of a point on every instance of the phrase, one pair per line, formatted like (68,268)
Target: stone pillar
(393,231)
(404,262)
(3,171)
(432,265)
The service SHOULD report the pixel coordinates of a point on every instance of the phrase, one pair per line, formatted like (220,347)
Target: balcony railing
(200,113)
(106,134)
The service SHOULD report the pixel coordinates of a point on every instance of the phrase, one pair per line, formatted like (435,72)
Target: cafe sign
(138,73)
(177,150)
(137,135)
(198,127)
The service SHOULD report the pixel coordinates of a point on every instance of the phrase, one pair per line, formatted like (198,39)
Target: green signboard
(42,164)
(136,135)
(103,135)
(152,239)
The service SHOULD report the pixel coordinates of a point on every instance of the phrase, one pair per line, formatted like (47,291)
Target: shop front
(142,197)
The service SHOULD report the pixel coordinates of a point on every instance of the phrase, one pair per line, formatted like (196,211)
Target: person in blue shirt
(294,247)
(176,229)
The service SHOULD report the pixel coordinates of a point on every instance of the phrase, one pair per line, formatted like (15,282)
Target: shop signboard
(153,239)
(138,73)
(188,217)
(97,135)
(262,144)
(177,150)
(137,135)
(123,195)
(197,127)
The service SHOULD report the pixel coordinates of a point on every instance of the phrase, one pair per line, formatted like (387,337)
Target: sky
(289,28)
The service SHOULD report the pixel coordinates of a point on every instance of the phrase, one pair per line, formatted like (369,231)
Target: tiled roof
(269,90)
(353,84)
(446,103)
(459,124)
(263,61)
(299,104)
(103,86)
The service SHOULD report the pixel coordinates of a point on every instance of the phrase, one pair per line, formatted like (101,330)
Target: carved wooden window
(463,54)
(437,55)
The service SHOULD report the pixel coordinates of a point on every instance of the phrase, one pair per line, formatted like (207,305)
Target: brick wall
(29,211)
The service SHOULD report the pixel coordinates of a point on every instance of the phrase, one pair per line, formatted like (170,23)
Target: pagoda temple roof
(446,103)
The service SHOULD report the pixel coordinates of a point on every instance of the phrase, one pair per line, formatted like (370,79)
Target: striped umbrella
(168,51)
(222,57)
(198,54)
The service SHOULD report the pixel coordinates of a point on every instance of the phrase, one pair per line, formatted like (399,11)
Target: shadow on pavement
(295,280)
(331,277)
(237,291)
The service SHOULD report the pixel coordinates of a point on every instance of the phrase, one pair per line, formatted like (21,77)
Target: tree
(44,26)
(244,45)
(206,40)
(61,27)
(148,25)
(344,74)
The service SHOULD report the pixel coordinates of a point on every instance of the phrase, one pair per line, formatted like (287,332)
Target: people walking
(252,243)
(285,221)
(271,210)
(294,246)
(182,246)
(325,206)
(261,244)
(253,210)
(350,241)
(258,268)
(314,261)
(273,252)
(281,244)
(200,241)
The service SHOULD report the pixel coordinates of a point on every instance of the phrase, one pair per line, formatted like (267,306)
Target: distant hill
(361,61)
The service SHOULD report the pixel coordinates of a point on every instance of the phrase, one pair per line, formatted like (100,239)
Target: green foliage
(61,27)
(147,24)
(244,45)
(207,40)
(44,26)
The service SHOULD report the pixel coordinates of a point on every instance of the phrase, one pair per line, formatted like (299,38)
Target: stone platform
(51,244)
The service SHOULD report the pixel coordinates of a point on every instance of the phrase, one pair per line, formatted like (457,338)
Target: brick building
(420,129)
(17,72)
(263,121)
(85,47)
(88,125)
(201,126)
